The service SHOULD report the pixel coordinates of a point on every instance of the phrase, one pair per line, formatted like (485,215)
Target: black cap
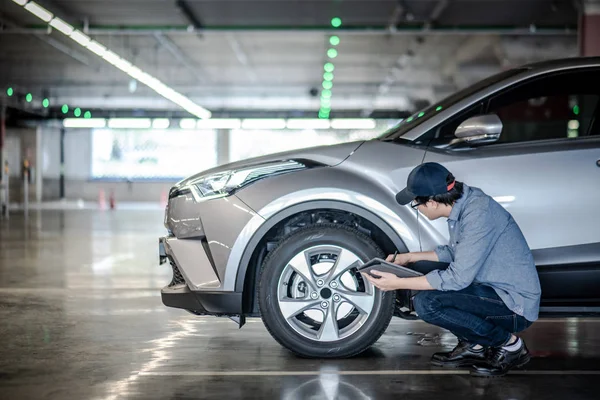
(428,179)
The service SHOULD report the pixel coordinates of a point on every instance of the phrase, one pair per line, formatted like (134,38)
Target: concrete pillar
(589,28)
(61,183)
(2,140)
(223,136)
(39,154)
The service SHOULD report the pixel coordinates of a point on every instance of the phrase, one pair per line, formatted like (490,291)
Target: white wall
(78,154)
(50,149)
(78,183)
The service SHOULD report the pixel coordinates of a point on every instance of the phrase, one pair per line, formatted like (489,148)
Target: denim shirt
(487,247)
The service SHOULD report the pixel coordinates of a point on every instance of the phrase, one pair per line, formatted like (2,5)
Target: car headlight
(225,183)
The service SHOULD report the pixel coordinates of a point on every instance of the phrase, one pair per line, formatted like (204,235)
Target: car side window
(562,105)
(443,134)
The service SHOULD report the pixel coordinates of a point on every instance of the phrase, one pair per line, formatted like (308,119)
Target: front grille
(177,276)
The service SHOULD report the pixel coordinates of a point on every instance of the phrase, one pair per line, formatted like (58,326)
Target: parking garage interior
(105,105)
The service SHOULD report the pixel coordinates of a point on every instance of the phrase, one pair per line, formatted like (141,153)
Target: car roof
(564,63)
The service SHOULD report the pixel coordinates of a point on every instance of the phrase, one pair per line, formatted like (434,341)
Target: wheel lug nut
(314,295)
(333,284)
(336,297)
(324,304)
(320,282)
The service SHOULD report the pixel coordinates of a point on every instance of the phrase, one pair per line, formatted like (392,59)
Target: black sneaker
(501,361)
(462,355)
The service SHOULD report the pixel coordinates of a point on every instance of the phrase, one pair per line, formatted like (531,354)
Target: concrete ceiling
(230,56)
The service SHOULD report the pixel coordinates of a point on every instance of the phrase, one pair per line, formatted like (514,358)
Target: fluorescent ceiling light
(84,123)
(39,11)
(160,123)
(80,38)
(123,65)
(187,123)
(115,60)
(353,123)
(111,57)
(96,48)
(129,123)
(263,123)
(219,123)
(61,26)
(307,123)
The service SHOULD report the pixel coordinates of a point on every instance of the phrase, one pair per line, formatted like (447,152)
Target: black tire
(274,265)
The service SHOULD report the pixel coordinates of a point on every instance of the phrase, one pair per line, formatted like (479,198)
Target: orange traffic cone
(163,198)
(101,200)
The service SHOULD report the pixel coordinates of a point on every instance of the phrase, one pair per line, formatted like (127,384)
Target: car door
(545,171)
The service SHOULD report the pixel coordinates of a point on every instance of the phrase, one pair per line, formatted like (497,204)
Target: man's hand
(401,259)
(386,282)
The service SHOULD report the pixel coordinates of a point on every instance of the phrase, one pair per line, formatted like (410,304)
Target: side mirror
(479,129)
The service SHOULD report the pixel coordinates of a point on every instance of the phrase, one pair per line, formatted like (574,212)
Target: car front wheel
(312,298)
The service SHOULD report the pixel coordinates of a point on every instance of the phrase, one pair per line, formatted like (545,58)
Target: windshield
(420,116)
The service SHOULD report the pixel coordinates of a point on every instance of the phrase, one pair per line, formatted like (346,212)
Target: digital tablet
(384,266)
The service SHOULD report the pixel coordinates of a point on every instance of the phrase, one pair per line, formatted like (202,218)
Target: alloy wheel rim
(322,296)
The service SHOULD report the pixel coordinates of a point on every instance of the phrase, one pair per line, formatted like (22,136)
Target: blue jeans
(475,314)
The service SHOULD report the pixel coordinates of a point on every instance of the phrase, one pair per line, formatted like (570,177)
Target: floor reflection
(82,318)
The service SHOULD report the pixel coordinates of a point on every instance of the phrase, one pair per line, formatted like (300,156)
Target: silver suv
(280,237)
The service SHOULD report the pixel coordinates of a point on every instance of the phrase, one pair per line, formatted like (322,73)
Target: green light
(336,22)
(438,108)
(45,103)
(329,67)
(323,115)
(87,115)
(334,40)
(28,97)
(576,110)
(10,91)
(77,112)
(332,53)
(420,114)
(327,85)
(409,119)
(328,76)
(65,109)
(326,93)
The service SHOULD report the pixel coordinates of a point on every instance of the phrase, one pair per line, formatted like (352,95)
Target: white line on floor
(384,372)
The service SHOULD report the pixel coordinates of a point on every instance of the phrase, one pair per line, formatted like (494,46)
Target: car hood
(330,155)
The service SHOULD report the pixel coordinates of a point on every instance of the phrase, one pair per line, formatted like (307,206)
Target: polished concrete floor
(81,318)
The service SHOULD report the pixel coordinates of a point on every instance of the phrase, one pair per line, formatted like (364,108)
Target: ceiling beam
(184,8)
(436,13)
(468,51)
(176,52)
(367,31)
(57,10)
(63,48)
(399,14)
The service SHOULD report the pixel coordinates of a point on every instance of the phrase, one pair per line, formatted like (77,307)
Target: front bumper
(200,303)
(178,294)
